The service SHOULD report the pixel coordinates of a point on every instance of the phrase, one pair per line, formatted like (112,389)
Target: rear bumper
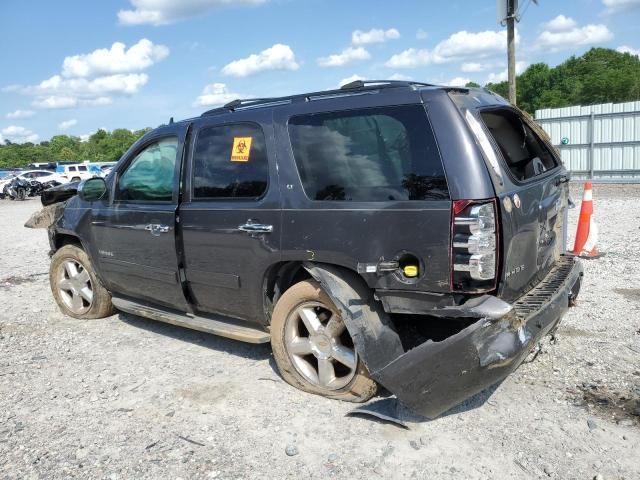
(435,376)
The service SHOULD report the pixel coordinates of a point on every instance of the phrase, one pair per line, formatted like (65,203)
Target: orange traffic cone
(587,233)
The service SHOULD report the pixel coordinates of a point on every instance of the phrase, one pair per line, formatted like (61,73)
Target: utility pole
(512,8)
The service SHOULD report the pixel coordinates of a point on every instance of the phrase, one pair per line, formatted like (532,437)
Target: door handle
(251,227)
(156,229)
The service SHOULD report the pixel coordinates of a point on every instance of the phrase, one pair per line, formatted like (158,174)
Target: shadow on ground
(207,340)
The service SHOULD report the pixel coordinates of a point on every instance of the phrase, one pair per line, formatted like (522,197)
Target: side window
(72,169)
(230,161)
(82,168)
(150,176)
(374,155)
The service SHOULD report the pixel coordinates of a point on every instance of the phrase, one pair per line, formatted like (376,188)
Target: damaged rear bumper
(435,376)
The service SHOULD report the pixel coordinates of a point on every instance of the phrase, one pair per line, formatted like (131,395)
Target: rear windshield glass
(524,152)
(375,154)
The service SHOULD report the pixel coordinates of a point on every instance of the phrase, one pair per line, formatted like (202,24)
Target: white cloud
(350,79)
(375,35)
(458,46)
(473,67)
(21,114)
(162,12)
(421,34)
(216,94)
(67,124)
(91,79)
(626,49)
(117,59)
(55,101)
(277,57)
(560,24)
(348,55)
(458,81)
(620,5)
(409,58)
(400,76)
(502,76)
(18,134)
(81,87)
(587,35)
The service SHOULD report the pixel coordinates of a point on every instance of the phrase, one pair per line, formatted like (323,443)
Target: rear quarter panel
(354,234)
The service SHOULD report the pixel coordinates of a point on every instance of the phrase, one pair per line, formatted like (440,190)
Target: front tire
(313,349)
(75,286)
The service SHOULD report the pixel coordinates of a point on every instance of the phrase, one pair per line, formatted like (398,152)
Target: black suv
(387,233)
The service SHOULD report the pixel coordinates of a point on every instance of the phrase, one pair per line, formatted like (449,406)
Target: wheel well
(278,279)
(62,239)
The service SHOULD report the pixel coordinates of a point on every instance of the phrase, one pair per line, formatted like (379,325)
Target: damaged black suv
(387,233)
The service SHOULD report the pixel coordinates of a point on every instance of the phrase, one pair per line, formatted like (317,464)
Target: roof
(352,88)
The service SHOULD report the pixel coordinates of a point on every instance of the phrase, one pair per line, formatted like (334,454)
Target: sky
(74,66)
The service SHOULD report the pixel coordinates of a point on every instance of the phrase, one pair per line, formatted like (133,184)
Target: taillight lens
(474,246)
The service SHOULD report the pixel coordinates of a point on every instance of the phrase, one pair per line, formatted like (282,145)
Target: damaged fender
(435,376)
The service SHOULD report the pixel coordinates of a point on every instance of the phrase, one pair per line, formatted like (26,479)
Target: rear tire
(312,348)
(75,286)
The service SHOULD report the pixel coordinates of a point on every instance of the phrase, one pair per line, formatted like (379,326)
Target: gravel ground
(127,397)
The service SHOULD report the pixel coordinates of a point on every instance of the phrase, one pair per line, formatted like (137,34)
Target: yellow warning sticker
(241,149)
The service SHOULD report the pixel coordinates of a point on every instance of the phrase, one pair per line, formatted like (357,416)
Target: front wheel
(75,286)
(313,349)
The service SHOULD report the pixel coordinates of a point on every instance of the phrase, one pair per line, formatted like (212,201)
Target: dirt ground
(127,397)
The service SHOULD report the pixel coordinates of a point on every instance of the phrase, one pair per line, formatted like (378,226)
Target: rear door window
(525,154)
(375,154)
(230,161)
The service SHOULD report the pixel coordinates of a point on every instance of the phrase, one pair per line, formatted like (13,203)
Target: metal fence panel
(596,141)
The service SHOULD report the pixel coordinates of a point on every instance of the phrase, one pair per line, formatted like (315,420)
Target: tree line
(102,146)
(601,75)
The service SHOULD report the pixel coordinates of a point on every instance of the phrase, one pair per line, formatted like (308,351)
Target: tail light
(474,246)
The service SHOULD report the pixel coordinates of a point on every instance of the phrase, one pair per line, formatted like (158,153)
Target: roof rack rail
(382,83)
(369,86)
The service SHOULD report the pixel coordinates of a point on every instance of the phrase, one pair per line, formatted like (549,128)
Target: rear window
(525,154)
(375,154)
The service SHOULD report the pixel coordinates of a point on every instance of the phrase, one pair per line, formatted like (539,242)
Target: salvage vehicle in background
(74,173)
(387,233)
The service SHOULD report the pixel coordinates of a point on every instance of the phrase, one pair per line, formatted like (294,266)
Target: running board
(219,327)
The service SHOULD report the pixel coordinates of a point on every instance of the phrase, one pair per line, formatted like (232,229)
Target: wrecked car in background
(387,233)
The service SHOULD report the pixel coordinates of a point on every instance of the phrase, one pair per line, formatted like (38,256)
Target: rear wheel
(75,179)
(313,349)
(77,290)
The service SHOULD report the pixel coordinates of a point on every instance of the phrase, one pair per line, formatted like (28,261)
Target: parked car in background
(75,172)
(105,168)
(42,176)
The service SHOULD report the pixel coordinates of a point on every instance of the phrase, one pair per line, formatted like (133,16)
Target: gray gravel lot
(127,397)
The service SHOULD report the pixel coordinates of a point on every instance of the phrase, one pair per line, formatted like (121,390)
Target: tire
(297,352)
(21,193)
(75,179)
(71,278)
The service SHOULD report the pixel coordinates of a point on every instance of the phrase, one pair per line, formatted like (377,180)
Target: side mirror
(92,189)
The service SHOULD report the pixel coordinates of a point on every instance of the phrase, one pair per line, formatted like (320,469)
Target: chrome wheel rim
(75,287)
(320,347)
